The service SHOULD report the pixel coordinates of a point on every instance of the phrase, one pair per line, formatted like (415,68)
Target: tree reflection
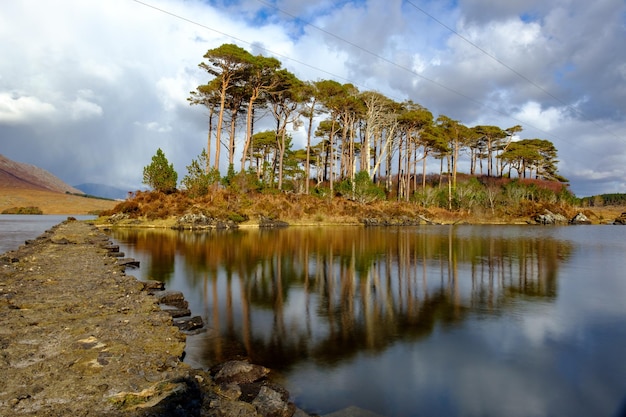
(326,294)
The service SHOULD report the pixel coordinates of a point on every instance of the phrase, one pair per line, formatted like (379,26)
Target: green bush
(160,174)
(361,190)
(199,178)
(23,210)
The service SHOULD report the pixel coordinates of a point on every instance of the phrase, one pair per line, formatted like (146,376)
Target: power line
(252,44)
(522,76)
(411,71)
(438,84)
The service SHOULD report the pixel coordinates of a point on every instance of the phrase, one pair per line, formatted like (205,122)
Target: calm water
(427,321)
(17,228)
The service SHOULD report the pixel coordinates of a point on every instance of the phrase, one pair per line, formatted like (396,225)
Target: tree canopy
(358,131)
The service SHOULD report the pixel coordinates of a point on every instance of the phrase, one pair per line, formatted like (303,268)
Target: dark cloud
(92,98)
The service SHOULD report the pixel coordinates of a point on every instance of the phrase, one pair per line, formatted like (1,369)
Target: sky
(89,90)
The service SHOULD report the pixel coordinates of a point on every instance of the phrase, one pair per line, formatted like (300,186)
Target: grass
(161,210)
(52,202)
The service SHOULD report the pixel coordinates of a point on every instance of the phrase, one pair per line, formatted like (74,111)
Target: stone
(227,408)
(175,312)
(201,221)
(580,218)
(231,391)
(550,218)
(151,285)
(171,298)
(266,222)
(189,323)
(270,403)
(118,217)
(111,248)
(128,262)
(239,372)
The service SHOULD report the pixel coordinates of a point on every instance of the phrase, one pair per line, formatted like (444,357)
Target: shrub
(23,210)
(128,207)
(361,190)
(160,174)
(198,179)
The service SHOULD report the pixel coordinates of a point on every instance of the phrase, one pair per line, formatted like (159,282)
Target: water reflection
(470,320)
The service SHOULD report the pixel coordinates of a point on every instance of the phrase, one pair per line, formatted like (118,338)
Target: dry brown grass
(603,214)
(51,202)
(297,209)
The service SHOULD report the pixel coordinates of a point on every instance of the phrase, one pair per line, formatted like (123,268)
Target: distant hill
(18,175)
(615,199)
(25,185)
(101,190)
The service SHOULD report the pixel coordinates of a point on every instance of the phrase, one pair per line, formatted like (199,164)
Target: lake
(15,229)
(422,321)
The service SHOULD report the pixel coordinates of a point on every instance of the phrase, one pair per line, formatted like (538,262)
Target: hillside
(24,185)
(25,176)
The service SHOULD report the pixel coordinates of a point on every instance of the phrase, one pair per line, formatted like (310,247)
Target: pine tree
(160,174)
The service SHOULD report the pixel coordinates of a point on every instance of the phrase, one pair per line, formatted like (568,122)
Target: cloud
(83,108)
(544,119)
(155,127)
(119,72)
(19,109)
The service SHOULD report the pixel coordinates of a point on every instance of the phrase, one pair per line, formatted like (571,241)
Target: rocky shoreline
(80,337)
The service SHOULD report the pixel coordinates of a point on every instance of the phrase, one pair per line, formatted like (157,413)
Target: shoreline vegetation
(226,208)
(367,159)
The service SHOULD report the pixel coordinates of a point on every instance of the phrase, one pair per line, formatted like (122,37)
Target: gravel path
(78,337)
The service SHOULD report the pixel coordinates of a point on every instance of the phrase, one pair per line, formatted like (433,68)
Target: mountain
(18,175)
(101,190)
(25,185)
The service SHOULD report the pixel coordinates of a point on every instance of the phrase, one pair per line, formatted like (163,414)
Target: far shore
(52,203)
(597,216)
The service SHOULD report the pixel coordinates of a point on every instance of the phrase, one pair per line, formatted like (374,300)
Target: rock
(395,221)
(239,372)
(111,248)
(176,312)
(226,408)
(580,218)
(118,217)
(266,222)
(231,391)
(621,219)
(128,262)
(153,285)
(195,219)
(190,221)
(270,403)
(172,298)
(60,241)
(189,323)
(550,218)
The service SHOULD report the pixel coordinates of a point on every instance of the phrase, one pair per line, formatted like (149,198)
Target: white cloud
(82,108)
(544,119)
(100,67)
(20,109)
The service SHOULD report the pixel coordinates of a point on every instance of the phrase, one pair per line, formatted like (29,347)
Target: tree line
(351,135)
